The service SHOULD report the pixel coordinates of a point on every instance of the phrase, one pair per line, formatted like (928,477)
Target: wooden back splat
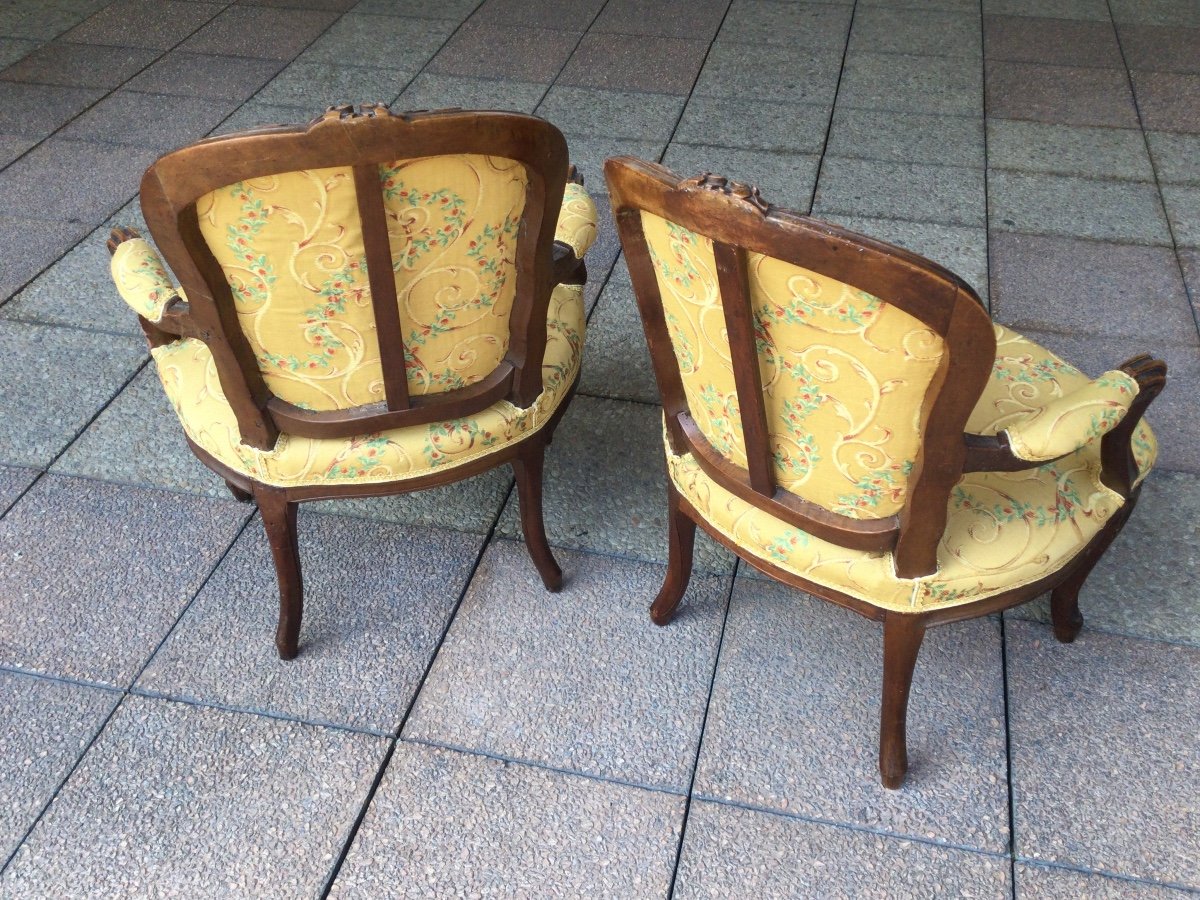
(361,138)
(738,221)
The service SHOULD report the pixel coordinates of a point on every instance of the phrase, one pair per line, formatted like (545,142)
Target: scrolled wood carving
(746,193)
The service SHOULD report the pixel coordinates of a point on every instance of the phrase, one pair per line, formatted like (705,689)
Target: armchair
(845,416)
(370,304)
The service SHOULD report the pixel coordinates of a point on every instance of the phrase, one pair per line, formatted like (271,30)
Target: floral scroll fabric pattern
(142,279)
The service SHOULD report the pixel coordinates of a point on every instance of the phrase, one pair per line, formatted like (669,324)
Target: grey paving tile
(438,91)
(452,824)
(177,799)
(951,196)
(926,32)
(12,146)
(76,290)
(948,5)
(1109,722)
(377,599)
(605,486)
(456,10)
(43,406)
(1034,881)
(147,120)
(260,32)
(906,137)
(44,21)
(158,24)
(80,65)
(731,852)
(1183,209)
(962,250)
(519,54)
(522,676)
(619,114)
(318,85)
(1142,586)
(470,506)
(1176,157)
(1173,13)
(201,75)
(386,43)
(1090,287)
(1190,262)
(37,110)
(44,727)
(1084,10)
(568,15)
(794,718)
(30,246)
(907,83)
(13,49)
(1057,42)
(786,179)
(336,5)
(765,22)
(1076,207)
(1168,101)
(82,597)
(616,362)
(604,251)
(589,152)
(614,62)
(1060,95)
(46,181)
(1068,150)
(778,74)
(694,19)
(753,124)
(1161,48)
(254,115)
(14,480)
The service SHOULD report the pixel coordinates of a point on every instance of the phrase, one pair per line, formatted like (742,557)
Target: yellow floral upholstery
(843,372)
(189,377)
(142,279)
(1005,529)
(577,221)
(292,248)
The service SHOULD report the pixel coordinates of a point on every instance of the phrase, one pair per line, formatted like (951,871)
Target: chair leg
(239,494)
(681,538)
(279,519)
(527,467)
(1064,599)
(902,636)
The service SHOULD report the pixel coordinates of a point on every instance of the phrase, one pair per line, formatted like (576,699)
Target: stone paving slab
(1054,41)
(580,680)
(96,574)
(11,147)
(730,852)
(182,800)
(616,362)
(606,486)
(377,598)
(1068,150)
(620,114)
(157,24)
(613,62)
(862,187)
(37,110)
(1176,157)
(696,19)
(780,74)
(764,22)
(908,83)
(519,54)
(1109,725)
(753,124)
(44,728)
(1060,95)
(391,42)
(793,725)
(32,245)
(1183,209)
(1160,48)
(454,824)
(1167,100)
(13,481)
(260,32)
(80,65)
(429,91)
(906,137)
(933,32)
(1085,10)
(1044,883)
(317,85)
(202,75)
(42,404)
(786,179)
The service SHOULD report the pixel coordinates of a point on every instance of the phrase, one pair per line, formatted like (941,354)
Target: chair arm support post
(1119,469)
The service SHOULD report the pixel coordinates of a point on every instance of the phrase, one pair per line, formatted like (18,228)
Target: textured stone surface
(13,481)
(1176,156)
(520,54)
(175,799)
(731,852)
(753,124)
(386,43)
(438,91)
(794,721)
(606,486)
(522,675)
(932,32)
(1062,884)
(1183,209)
(616,361)
(452,824)
(316,85)
(95,574)
(150,120)
(260,32)
(786,179)
(1168,101)
(906,137)
(761,22)
(611,113)
(43,407)
(1076,207)
(36,110)
(1068,150)
(781,74)
(1161,48)
(201,75)
(1060,95)
(80,65)
(376,601)
(1110,722)
(158,24)
(1052,41)
(613,62)
(950,196)
(1087,10)
(44,727)
(31,245)
(696,19)
(906,83)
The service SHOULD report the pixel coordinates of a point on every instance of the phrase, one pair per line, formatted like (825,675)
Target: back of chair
(820,375)
(369,270)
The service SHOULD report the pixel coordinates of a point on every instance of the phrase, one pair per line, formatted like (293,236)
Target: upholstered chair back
(358,286)
(820,376)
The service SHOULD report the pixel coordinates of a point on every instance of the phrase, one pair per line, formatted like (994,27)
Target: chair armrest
(576,226)
(1120,470)
(1064,425)
(139,274)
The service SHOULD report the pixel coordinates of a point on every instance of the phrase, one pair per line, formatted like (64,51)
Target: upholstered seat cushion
(1005,529)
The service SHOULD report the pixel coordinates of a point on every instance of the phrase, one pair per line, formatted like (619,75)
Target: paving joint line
(837,90)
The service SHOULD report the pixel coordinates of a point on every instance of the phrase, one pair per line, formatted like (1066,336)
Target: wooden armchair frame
(363,138)
(739,221)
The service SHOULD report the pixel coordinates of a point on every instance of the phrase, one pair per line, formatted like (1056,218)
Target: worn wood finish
(363,138)
(738,220)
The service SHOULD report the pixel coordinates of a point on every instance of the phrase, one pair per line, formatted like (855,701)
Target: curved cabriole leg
(527,467)
(279,519)
(239,494)
(1064,599)
(681,537)
(902,636)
